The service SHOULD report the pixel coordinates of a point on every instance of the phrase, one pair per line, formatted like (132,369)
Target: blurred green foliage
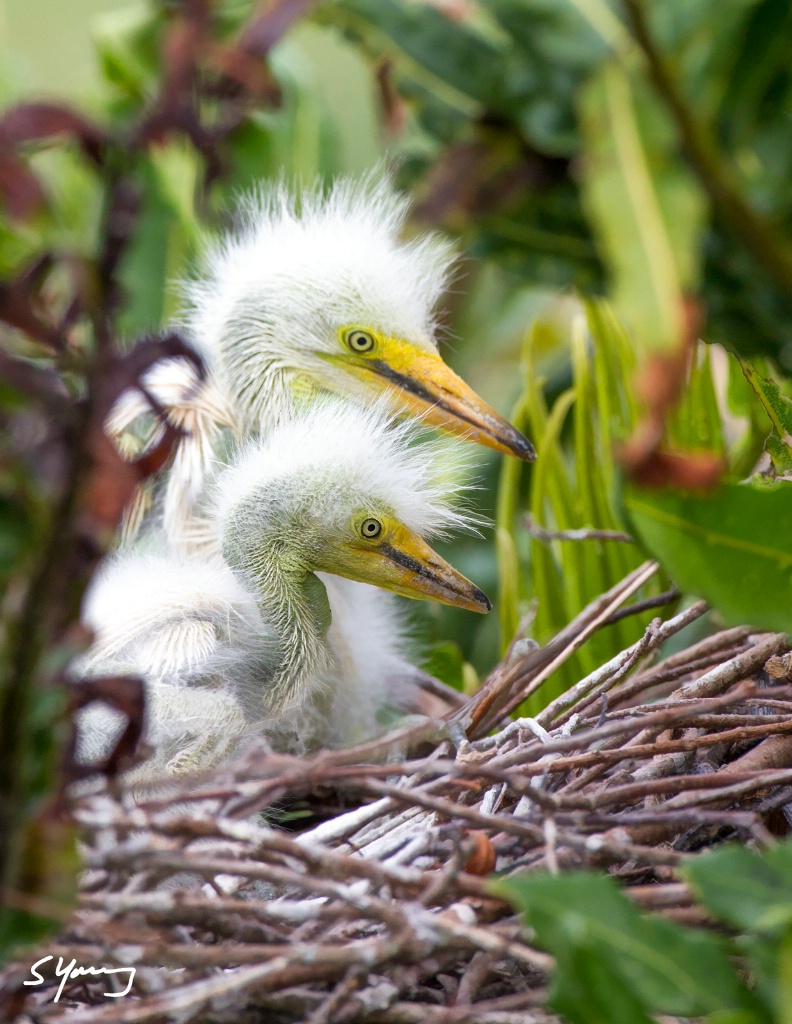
(516,104)
(615,963)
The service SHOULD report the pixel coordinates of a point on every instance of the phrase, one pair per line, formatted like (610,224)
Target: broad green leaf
(126,42)
(784,986)
(459,63)
(589,990)
(645,207)
(763,955)
(743,888)
(780,455)
(583,919)
(733,548)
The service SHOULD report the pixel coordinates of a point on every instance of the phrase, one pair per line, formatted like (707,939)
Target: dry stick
(275,973)
(503,692)
(710,647)
(652,750)
(610,673)
(167,907)
(495,1011)
(775,752)
(534,529)
(662,719)
(705,655)
(648,603)
(496,687)
(778,748)
(474,977)
(327,1010)
(709,787)
(653,679)
(655,897)
(703,721)
(741,666)
(521,828)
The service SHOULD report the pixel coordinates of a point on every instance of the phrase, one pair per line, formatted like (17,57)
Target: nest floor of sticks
(382,912)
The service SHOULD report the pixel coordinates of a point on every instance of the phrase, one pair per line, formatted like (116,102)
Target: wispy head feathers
(323,258)
(338,454)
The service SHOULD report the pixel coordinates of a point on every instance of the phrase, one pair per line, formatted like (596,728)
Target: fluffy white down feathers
(340,452)
(269,301)
(209,643)
(271,298)
(328,258)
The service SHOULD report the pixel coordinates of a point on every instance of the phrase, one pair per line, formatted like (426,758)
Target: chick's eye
(360,341)
(371,528)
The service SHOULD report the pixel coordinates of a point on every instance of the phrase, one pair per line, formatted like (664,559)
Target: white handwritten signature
(70,971)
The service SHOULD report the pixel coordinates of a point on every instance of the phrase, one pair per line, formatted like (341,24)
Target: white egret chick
(311,295)
(240,642)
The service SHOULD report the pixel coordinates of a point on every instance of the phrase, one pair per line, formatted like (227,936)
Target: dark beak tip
(483,600)
(523,449)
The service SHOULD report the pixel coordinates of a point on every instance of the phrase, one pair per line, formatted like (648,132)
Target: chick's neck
(294,601)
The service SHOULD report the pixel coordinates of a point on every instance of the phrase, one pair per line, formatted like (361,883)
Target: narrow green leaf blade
(779,411)
(644,205)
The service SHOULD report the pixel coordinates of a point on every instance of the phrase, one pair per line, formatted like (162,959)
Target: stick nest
(381,912)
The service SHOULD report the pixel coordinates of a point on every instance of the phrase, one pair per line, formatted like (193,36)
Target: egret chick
(240,641)
(320,294)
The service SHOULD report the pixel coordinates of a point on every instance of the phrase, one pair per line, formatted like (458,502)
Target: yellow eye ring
(370,529)
(359,341)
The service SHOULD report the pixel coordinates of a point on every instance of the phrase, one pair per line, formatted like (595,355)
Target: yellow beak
(426,386)
(400,561)
(416,570)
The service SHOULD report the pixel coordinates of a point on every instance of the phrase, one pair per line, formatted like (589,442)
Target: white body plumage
(245,637)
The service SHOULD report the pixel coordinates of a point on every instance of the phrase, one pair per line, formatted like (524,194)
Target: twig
(541,533)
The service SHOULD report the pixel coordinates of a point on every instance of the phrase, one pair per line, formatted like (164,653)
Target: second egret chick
(239,642)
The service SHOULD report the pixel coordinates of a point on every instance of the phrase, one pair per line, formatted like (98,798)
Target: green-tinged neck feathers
(293,600)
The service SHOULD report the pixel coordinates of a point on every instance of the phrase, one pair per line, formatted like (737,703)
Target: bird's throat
(318,604)
(300,612)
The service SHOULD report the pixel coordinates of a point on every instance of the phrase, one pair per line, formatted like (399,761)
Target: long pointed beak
(429,387)
(425,385)
(415,570)
(403,563)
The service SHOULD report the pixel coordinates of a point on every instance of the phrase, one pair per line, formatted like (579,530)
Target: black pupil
(371,529)
(361,341)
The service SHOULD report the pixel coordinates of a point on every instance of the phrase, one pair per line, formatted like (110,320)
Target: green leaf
(744,889)
(645,206)
(126,41)
(454,60)
(444,661)
(733,548)
(779,411)
(650,964)
(589,990)
(696,421)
